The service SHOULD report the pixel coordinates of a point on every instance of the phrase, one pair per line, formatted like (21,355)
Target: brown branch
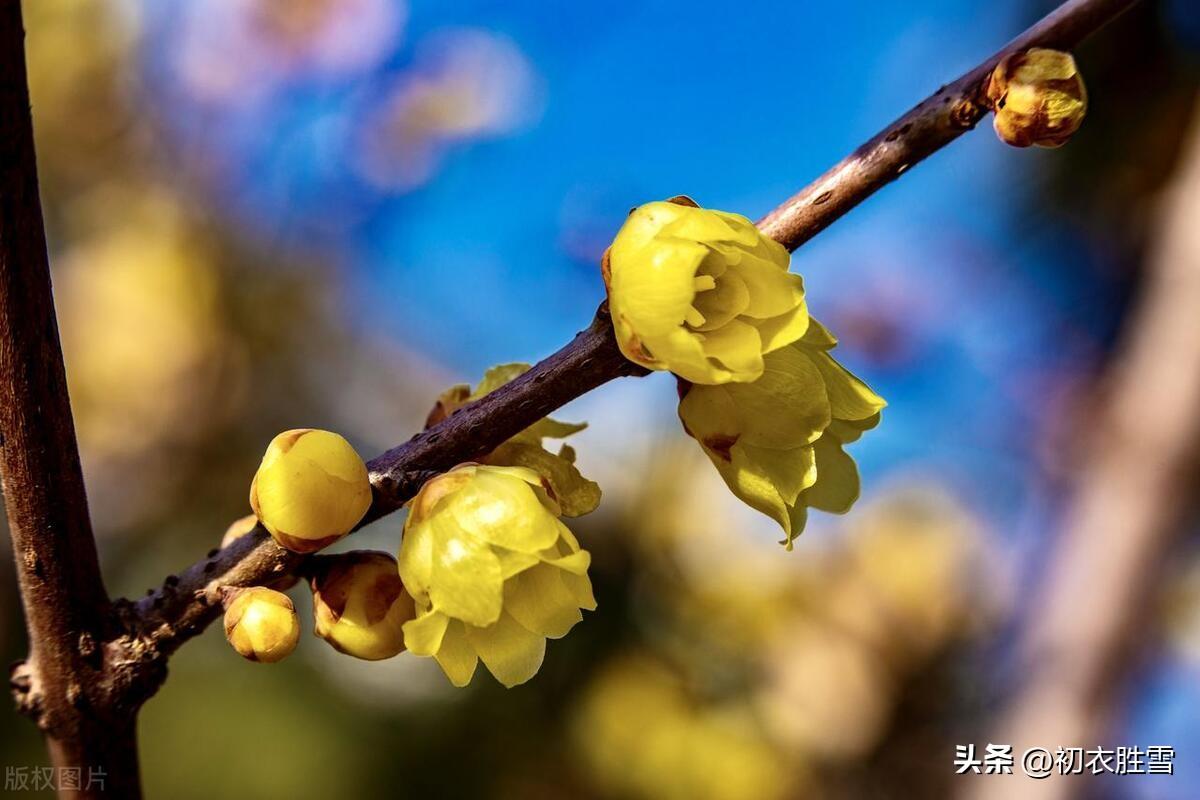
(66,684)
(929,126)
(184,606)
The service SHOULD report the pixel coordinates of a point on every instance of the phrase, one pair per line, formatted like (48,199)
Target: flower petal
(541,602)
(838,484)
(789,471)
(849,397)
(575,494)
(737,347)
(501,510)
(773,290)
(466,580)
(457,657)
(510,652)
(423,636)
(723,303)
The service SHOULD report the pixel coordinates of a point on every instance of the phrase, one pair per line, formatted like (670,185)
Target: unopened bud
(360,604)
(1038,98)
(310,490)
(261,624)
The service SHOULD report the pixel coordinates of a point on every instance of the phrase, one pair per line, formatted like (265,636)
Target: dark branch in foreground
(135,639)
(66,684)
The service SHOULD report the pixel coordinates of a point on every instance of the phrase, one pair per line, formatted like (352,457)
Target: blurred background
(268,214)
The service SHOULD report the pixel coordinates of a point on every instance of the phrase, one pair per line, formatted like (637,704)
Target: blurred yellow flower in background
(493,571)
(149,360)
(574,494)
(639,734)
(777,442)
(701,293)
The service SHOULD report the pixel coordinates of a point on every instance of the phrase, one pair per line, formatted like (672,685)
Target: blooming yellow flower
(261,624)
(1039,98)
(360,604)
(310,490)
(493,572)
(777,442)
(575,494)
(701,293)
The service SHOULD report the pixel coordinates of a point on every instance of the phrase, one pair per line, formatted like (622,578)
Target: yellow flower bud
(1039,98)
(493,572)
(777,442)
(238,529)
(701,293)
(261,624)
(360,604)
(310,490)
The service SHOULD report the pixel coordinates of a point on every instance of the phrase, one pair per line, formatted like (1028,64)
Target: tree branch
(66,684)
(931,125)
(187,604)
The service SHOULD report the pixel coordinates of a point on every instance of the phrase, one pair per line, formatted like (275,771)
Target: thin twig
(931,125)
(66,684)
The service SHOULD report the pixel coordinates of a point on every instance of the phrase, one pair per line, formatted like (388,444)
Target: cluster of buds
(486,569)
(705,295)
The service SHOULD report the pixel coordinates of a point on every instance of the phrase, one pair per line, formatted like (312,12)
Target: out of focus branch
(67,682)
(1086,622)
(186,603)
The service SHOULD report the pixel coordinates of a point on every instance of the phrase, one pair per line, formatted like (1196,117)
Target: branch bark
(66,684)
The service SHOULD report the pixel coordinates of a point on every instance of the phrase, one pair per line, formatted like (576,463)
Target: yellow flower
(1039,98)
(261,624)
(360,604)
(701,293)
(777,442)
(493,571)
(641,731)
(310,490)
(575,494)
